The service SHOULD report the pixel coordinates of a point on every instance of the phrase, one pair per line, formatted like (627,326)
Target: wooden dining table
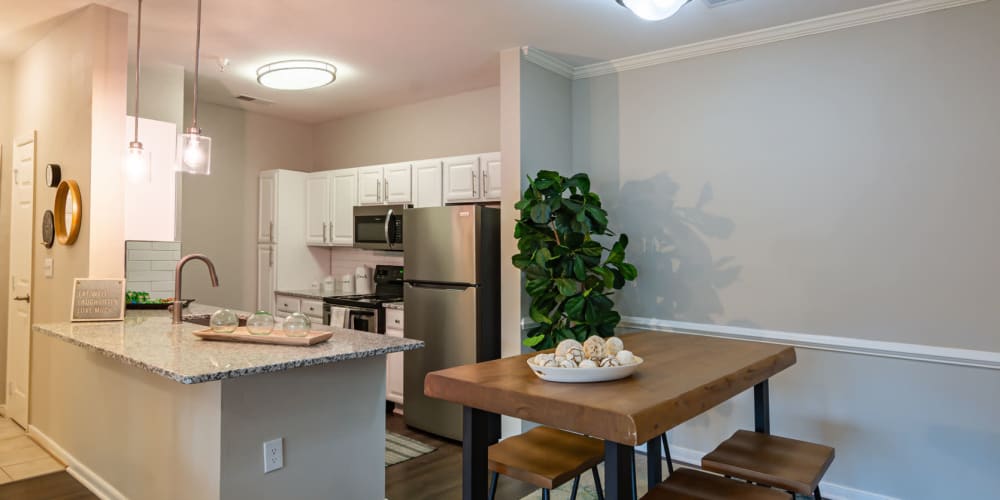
(681,377)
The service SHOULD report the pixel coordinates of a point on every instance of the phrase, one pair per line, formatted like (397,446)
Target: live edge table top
(681,377)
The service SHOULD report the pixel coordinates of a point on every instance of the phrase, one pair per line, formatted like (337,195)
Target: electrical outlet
(274,455)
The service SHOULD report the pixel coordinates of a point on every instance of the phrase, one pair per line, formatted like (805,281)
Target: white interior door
(22,201)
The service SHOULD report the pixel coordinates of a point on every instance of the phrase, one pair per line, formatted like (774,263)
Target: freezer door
(440,244)
(445,319)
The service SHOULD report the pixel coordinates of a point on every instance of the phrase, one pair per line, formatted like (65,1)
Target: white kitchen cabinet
(284,261)
(490,172)
(265,277)
(396,183)
(472,178)
(427,182)
(313,309)
(381,184)
(318,208)
(370,185)
(285,305)
(394,363)
(266,206)
(344,189)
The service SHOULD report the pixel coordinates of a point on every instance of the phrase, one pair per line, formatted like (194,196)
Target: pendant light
(194,150)
(653,10)
(136,165)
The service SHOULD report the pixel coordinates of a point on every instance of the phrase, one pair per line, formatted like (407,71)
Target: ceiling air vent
(250,98)
(718,3)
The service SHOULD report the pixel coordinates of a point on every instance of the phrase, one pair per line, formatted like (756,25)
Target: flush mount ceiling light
(297,74)
(653,10)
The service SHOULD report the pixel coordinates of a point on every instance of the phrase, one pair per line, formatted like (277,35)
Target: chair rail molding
(815,26)
(879,348)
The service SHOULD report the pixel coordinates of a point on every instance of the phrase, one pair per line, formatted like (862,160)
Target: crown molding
(833,22)
(548,61)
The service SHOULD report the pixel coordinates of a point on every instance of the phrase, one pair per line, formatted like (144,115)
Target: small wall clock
(48,229)
(53,174)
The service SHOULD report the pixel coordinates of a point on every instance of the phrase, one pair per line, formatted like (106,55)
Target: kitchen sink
(204,320)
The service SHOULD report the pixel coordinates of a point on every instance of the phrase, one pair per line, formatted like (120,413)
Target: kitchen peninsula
(144,409)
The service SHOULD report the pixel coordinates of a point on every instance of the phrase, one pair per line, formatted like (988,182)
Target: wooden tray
(276,337)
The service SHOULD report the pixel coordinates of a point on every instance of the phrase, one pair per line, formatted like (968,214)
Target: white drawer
(316,320)
(312,308)
(287,305)
(394,319)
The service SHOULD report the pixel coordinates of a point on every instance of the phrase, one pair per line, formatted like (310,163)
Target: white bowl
(583,375)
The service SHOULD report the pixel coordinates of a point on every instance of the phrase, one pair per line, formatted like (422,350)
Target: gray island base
(144,409)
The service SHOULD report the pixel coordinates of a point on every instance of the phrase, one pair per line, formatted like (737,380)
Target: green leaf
(579,270)
(617,254)
(537,287)
(579,181)
(541,213)
(539,316)
(629,272)
(574,307)
(521,261)
(566,287)
(534,341)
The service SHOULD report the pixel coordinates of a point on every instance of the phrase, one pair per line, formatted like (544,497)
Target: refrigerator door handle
(441,286)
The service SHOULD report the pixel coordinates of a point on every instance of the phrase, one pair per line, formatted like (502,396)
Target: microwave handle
(388,220)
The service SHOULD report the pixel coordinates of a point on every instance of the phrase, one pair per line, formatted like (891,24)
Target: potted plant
(570,275)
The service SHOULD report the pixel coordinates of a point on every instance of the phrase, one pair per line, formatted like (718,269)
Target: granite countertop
(394,305)
(311,294)
(148,340)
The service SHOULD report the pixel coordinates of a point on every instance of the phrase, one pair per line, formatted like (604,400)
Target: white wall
(448,126)
(841,184)
(219,211)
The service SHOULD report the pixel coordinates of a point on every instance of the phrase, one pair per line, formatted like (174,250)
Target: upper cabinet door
(427,184)
(345,190)
(318,208)
(490,176)
(267,206)
(396,183)
(370,189)
(461,179)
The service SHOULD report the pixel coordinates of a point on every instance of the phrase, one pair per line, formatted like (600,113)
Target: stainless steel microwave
(379,227)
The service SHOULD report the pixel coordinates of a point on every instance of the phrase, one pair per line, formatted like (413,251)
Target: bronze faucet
(178,302)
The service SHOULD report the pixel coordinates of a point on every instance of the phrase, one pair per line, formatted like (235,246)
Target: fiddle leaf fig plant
(570,276)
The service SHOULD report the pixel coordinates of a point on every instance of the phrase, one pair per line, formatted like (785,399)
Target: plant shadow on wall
(680,277)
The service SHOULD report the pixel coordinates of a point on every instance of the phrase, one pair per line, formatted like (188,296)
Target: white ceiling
(391,52)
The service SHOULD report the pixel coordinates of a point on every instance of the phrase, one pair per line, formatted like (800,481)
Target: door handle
(386,182)
(484,181)
(270,258)
(378,190)
(324,232)
(23,298)
(475,181)
(270,231)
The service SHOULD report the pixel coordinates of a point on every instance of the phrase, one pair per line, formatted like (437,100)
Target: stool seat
(690,484)
(545,457)
(789,464)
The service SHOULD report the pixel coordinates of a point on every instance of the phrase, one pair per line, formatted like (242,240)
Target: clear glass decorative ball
(297,325)
(260,323)
(224,321)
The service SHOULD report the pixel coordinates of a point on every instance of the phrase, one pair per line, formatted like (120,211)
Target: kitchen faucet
(178,301)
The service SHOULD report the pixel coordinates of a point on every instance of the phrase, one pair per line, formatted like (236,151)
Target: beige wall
(219,212)
(459,124)
(841,184)
(6,144)
(161,94)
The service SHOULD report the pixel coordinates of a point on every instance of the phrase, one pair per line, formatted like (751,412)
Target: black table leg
(480,429)
(617,471)
(654,467)
(761,408)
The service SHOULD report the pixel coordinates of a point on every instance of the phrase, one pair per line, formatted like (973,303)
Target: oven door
(379,227)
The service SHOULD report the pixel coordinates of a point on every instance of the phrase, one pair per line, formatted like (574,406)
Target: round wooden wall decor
(68,212)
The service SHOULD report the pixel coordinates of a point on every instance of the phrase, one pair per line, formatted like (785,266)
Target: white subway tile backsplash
(139,286)
(140,245)
(149,266)
(163,265)
(162,286)
(167,245)
(345,260)
(137,265)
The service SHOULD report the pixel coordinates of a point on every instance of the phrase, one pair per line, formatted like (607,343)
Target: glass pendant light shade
(137,166)
(194,152)
(654,10)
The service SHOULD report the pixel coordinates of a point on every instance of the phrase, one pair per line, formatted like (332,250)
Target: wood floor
(20,456)
(56,486)
(436,475)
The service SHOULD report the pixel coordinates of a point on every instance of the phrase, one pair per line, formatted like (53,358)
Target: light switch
(48,267)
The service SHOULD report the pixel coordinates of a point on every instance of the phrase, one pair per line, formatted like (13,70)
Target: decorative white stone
(588,363)
(625,357)
(575,354)
(613,345)
(593,348)
(609,361)
(566,345)
(567,363)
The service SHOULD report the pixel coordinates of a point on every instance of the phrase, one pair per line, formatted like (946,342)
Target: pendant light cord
(197,52)
(138,46)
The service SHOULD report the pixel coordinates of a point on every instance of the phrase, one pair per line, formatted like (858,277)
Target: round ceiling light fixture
(296,74)
(653,10)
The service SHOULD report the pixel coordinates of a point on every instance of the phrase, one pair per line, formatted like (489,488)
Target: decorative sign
(98,300)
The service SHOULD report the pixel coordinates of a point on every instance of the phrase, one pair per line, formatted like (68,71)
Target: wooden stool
(789,464)
(690,484)
(546,458)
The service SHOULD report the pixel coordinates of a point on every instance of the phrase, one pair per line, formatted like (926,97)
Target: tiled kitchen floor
(20,456)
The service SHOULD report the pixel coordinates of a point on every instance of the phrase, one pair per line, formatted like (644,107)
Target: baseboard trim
(896,350)
(87,477)
(3,410)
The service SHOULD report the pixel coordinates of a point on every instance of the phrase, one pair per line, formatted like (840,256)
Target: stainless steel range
(366,312)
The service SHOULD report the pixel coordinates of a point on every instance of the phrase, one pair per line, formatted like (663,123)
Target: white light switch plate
(274,455)
(48,267)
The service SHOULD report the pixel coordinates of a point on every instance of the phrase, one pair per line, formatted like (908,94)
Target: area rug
(399,448)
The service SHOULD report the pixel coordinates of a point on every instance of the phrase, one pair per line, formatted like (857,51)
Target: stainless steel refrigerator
(451,294)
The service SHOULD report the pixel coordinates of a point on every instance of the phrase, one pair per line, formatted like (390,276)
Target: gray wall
(841,184)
